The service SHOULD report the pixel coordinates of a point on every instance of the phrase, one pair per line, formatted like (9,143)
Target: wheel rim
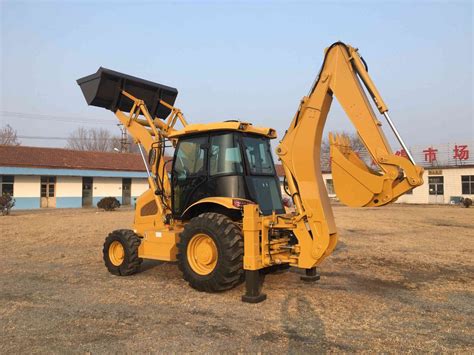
(116,253)
(202,254)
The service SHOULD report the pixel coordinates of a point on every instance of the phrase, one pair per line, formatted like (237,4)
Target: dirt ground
(400,280)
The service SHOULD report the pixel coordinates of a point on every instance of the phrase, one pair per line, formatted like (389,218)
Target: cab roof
(223,126)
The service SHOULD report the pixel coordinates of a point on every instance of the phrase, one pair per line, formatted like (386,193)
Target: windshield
(259,156)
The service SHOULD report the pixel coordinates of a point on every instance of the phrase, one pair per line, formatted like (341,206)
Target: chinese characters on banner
(401,153)
(439,155)
(461,152)
(430,155)
(445,155)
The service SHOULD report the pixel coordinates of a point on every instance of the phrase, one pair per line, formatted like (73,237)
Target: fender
(226,202)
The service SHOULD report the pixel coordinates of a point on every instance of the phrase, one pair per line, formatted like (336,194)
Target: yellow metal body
(267,238)
(158,231)
(355,184)
(230,125)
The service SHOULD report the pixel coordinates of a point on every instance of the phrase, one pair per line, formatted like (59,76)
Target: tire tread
(229,270)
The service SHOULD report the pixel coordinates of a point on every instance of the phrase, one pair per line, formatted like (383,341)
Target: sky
(246,60)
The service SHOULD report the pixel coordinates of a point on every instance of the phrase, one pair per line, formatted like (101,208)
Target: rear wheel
(210,253)
(121,252)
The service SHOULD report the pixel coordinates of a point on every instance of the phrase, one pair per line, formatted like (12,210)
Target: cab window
(259,157)
(190,158)
(224,155)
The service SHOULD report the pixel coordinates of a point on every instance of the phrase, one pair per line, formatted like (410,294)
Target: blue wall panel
(68,202)
(27,203)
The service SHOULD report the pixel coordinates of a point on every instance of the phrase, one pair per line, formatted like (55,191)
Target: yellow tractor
(219,212)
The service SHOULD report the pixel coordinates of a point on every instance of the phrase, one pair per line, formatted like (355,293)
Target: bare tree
(90,139)
(8,136)
(132,146)
(126,145)
(99,140)
(356,143)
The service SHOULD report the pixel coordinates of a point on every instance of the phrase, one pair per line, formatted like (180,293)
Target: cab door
(189,172)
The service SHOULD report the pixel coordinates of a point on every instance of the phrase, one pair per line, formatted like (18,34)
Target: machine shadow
(150,264)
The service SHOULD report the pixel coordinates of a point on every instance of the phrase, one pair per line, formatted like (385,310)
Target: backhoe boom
(355,183)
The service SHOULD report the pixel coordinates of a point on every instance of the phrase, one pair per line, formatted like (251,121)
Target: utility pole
(123,139)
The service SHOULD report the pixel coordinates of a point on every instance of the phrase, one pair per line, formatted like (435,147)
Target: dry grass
(400,280)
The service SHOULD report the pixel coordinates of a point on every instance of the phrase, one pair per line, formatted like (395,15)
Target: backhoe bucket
(104,89)
(355,184)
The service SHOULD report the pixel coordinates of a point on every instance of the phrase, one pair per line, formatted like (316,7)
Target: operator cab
(224,163)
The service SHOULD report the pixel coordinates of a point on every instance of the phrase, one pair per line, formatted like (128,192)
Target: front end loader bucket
(104,89)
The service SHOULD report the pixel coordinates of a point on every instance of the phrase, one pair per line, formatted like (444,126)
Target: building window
(436,185)
(467,182)
(330,187)
(6,184)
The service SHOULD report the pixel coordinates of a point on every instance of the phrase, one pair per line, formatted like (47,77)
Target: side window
(6,184)
(467,183)
(190,158)
(224,155)
(436,185)
(259,156)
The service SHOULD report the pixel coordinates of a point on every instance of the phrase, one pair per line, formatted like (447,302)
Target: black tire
(228,271)
(130,242)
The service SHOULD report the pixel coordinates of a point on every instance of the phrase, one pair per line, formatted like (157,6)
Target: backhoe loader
(219,211)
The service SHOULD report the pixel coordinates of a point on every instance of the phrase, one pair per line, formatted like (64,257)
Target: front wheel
(210,253)
(121,252)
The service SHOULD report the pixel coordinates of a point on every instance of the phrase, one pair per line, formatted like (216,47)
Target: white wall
(327,177)
(452,182)
(68,186)
(26,186)
(419,194)
(106,186)
(139,186)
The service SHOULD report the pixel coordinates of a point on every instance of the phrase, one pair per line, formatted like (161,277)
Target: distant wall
(139,186)
(26,191)
(68,190)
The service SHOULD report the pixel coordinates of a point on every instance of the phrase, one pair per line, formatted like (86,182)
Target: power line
(65,119)
(65,138)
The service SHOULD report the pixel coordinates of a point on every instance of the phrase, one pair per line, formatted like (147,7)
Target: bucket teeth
(341,141)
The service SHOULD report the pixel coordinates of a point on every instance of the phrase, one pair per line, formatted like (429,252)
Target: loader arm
(146,111)
(355,184)
(151,134)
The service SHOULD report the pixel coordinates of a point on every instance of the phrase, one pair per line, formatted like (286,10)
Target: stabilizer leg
(253,287)
(312,275)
